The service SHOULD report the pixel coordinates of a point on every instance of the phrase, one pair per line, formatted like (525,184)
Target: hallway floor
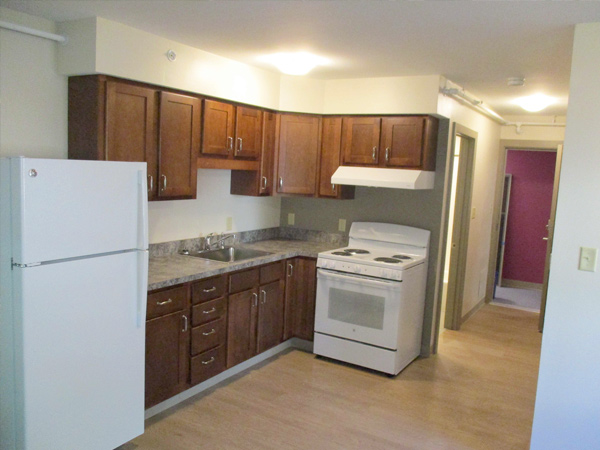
(478,392)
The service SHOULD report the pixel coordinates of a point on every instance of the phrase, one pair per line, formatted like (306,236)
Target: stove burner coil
(341,253)
(357,251)
(402,257)
(387,260)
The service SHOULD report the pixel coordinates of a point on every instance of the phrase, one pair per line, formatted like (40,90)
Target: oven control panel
(359,269)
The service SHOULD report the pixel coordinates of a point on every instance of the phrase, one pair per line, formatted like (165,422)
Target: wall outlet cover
(229,224)
(342,225)
(291,218)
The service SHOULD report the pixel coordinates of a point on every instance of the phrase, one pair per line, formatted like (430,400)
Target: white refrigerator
(73,283)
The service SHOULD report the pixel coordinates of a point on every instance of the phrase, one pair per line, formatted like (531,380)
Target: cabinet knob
(374,154)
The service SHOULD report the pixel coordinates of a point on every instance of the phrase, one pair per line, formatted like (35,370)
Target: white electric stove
(371,297)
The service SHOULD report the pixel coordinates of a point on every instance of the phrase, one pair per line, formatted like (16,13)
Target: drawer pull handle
(209,333)
(212,289)
(166,302)
(185,324)
(210,361)
(210,311)
(255,295)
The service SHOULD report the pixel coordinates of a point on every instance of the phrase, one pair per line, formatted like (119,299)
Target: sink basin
(230,254)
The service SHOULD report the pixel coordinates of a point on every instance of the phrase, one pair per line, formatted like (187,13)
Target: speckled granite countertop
(174,269)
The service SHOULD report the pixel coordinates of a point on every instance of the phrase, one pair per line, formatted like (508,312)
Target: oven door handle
(348,277)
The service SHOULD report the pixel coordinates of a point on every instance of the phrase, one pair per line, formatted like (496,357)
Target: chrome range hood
(382,177)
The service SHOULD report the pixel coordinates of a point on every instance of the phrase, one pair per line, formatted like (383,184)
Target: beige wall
(33,107)
(568,393)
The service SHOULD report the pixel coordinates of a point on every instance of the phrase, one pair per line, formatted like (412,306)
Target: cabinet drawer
(207,364)
(208,336)
(166,302)
(241,281)
(208,311)
(208,289)
(272,272)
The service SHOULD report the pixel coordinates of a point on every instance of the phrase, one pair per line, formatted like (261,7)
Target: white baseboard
(296,343)
(521,284)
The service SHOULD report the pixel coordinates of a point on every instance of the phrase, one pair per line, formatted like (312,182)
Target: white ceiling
(477,44)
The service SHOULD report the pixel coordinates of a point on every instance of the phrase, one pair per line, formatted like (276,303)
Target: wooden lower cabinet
(167,344)
(196,330)
(300,295)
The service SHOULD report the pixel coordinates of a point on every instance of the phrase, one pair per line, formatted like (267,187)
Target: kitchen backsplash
(284,233)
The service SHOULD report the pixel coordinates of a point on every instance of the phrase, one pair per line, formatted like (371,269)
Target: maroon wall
(528,213)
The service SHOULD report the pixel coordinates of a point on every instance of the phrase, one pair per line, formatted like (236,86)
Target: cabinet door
(268,154)
(360,140)
(219,121)
(402,141)
(241,326)
(248,132)
(167,357)
(331,143)
(300,293)
(298,154)
(131,134)
(179,143)
(270,315)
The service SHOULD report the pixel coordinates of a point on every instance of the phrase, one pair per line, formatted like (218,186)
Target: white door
(358,308)
(67,208)
(79,352)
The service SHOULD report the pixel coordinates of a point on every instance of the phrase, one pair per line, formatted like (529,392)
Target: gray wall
(422,209)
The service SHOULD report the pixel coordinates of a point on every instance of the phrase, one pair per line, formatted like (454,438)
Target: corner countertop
(175,269)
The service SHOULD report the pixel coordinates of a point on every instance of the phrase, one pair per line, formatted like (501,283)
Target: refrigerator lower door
(79,353)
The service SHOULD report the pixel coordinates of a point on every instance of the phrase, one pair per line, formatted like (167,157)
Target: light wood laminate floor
(477,393)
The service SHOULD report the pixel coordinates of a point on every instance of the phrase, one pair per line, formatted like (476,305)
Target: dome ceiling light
(295,63)
(534,103)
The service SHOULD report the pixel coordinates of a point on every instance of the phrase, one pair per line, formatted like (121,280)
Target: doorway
(520,261)
(459,192)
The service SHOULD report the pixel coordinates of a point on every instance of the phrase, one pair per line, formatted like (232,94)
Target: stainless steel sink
(229,254)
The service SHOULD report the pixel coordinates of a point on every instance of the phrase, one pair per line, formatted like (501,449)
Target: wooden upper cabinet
(219,123)
(179,144)
(259,182)
(331,142)
(248,132)
(401,139)
(131,127)
(360,140)
(298,153)
(230,131)
(119,120)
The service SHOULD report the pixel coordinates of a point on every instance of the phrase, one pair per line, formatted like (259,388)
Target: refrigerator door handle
(142,211)
(142,277)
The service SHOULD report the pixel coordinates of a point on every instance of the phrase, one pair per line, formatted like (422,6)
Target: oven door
(359,308)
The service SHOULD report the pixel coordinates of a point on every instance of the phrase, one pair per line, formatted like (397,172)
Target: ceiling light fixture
(534,103)
(515,81)
(298,63)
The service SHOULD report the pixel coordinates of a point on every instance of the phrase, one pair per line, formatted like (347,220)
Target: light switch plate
(291,218)
(342,225)
(587,259)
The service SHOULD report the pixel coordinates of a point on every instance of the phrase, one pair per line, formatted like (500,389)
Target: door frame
(506,145)
(457,270)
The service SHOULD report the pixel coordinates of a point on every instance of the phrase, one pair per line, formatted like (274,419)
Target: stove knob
(385,273)
(357,269)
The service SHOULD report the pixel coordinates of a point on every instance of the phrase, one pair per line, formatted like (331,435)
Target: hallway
(477,393)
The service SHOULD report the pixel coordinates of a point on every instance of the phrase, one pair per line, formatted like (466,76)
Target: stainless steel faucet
(208,240)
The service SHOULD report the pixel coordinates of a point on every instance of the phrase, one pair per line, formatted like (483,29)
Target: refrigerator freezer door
(67,208)
(79,355)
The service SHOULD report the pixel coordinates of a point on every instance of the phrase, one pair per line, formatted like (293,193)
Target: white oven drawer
(359,308)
